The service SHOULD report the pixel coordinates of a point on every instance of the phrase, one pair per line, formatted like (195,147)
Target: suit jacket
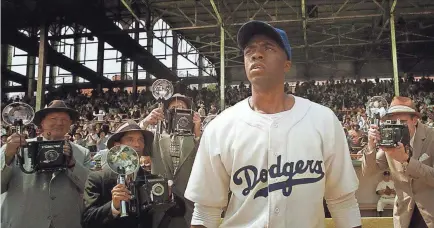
(98,199)
(415,185)
(162,165)
(44,199)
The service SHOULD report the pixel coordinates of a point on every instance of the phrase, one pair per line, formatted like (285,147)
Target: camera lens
(158,189)
(51,155)
(183,122)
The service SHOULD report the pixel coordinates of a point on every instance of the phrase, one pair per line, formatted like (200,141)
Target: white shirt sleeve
(208,217)
(380,186)
(114,211)
(209,181)
(345,211)
(341,178)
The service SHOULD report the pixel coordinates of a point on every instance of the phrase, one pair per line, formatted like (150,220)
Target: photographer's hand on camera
(196,119)
(13,143)
(120,193)
(373,137)
(153,118)
(197,124)
(397,153)
(67,151)
(146,163)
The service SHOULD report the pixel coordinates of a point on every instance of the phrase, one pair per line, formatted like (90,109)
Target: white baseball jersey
(382,186)
(278,166)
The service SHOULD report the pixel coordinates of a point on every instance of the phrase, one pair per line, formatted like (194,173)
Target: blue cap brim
(252,28)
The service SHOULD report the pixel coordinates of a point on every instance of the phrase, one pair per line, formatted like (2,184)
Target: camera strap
(175,151)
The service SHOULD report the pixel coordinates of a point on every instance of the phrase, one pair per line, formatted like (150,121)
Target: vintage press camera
(46,156)
(393,132)
(149,192)
(180,121)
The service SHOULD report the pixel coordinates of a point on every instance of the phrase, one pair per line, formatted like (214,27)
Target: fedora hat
(178,96)
(131,126)
(402,105)
(55,106)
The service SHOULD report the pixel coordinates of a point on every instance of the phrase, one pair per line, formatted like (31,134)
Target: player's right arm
(380,189)
(209,182)
(373,161)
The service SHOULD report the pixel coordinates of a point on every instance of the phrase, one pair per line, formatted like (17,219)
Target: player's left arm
(341,178)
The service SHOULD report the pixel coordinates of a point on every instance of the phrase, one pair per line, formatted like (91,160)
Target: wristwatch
(405,164)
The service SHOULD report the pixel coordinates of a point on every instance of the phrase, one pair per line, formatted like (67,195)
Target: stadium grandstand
(101,57)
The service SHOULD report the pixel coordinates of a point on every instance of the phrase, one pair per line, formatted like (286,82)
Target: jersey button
(276,210)
(275,125)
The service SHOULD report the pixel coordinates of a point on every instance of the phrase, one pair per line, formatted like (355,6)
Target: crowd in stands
(103,111)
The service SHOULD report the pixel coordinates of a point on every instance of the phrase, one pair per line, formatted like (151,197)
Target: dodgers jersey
(277,166)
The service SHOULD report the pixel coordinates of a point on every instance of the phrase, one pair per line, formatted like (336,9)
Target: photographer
(175,165)
(102,194)
(47,199)
(411,167)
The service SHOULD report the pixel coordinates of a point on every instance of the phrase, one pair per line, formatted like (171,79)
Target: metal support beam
(222,68)
(4,64)
(175,53)
(303,15)
(96,20)
(222,56)
(30,73)
(200,73)
(42,66)
(150,46)
(393,43)
(123,68)
(12,76)
(53,69)
(100,59)
(136,66)
(76,57)
(31,46)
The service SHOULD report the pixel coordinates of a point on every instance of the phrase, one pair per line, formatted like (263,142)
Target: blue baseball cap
(252,28)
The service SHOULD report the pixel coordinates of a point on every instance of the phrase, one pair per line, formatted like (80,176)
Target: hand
(67,151)
(146,163)
(373,137)
(388,191)
(155,116)
(397,153)
(120,193)
(197,125)
(13,142)
(196,119)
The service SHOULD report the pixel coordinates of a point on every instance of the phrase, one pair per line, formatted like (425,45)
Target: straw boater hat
(55,106)
(401,105)
(131,126)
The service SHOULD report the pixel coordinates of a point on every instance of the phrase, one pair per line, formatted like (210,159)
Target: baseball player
(386,191)
(278,154)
